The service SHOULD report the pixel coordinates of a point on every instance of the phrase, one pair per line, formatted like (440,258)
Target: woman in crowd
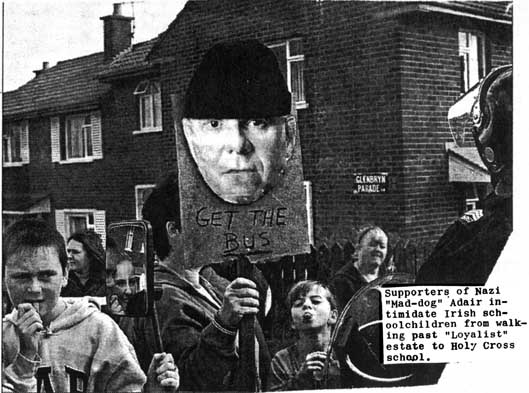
(86,262)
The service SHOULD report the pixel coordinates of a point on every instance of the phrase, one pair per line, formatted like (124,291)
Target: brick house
(373,82)
(84,127)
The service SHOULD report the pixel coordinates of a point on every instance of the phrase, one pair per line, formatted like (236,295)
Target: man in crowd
(199,312)
(236,122)
(367,265)
(467,252)
(53,344)
(469,249)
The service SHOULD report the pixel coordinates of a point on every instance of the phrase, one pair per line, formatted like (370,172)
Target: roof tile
(69,82)
(74,82)
(497,9)
(130,59)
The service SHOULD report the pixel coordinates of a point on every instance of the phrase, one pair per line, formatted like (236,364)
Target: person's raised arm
(206,355)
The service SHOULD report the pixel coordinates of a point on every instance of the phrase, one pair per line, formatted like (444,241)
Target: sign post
(249,379)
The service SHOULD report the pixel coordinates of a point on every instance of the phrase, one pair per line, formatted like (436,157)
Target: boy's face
(35,276)
(312,311)
(125,281)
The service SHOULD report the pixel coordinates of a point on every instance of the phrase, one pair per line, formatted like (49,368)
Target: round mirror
(358,341)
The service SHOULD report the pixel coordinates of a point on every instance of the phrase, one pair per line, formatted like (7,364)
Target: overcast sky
(45,30)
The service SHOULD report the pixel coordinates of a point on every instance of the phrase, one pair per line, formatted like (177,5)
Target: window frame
(98,221)
(142,92)
(7,135)
(85,129)
(79,214)
(290,59)
(92,133)
(137,188)
(465,51)
(471,204)
(9,138)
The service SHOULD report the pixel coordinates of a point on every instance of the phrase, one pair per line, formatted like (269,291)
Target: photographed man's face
(240,160)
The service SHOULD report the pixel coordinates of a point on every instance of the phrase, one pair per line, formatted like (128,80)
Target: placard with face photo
(250,202)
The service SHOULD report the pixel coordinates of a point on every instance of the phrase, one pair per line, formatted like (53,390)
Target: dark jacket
(93,287)
(468,250)
(206,356)
(466,255)
(285,374)
(345,283)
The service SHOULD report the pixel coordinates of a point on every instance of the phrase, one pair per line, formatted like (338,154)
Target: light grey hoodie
(83,351)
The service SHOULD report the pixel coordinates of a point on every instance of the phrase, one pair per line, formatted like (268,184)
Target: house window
(474,194)
(291,61)
(471,204)
(142,192)
(15,151)
(76,222)
(472,58)
(69,221)
(76,138)
(149,100)
(11,144)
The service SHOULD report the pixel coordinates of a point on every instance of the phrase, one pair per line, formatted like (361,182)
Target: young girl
(301,366)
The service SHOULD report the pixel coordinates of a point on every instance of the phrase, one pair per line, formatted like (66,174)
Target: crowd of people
(52,343)
(199,314)
(50,329)
(57,339)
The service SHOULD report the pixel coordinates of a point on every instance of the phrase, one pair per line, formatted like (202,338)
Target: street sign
(370,183)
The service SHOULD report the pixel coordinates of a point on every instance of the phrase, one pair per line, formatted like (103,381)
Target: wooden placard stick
(249,379)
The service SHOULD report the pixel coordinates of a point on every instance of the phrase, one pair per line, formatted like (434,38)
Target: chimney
(45,66)
(117,32)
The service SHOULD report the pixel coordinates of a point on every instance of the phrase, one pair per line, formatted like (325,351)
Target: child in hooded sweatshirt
(51,344)
(301,366)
